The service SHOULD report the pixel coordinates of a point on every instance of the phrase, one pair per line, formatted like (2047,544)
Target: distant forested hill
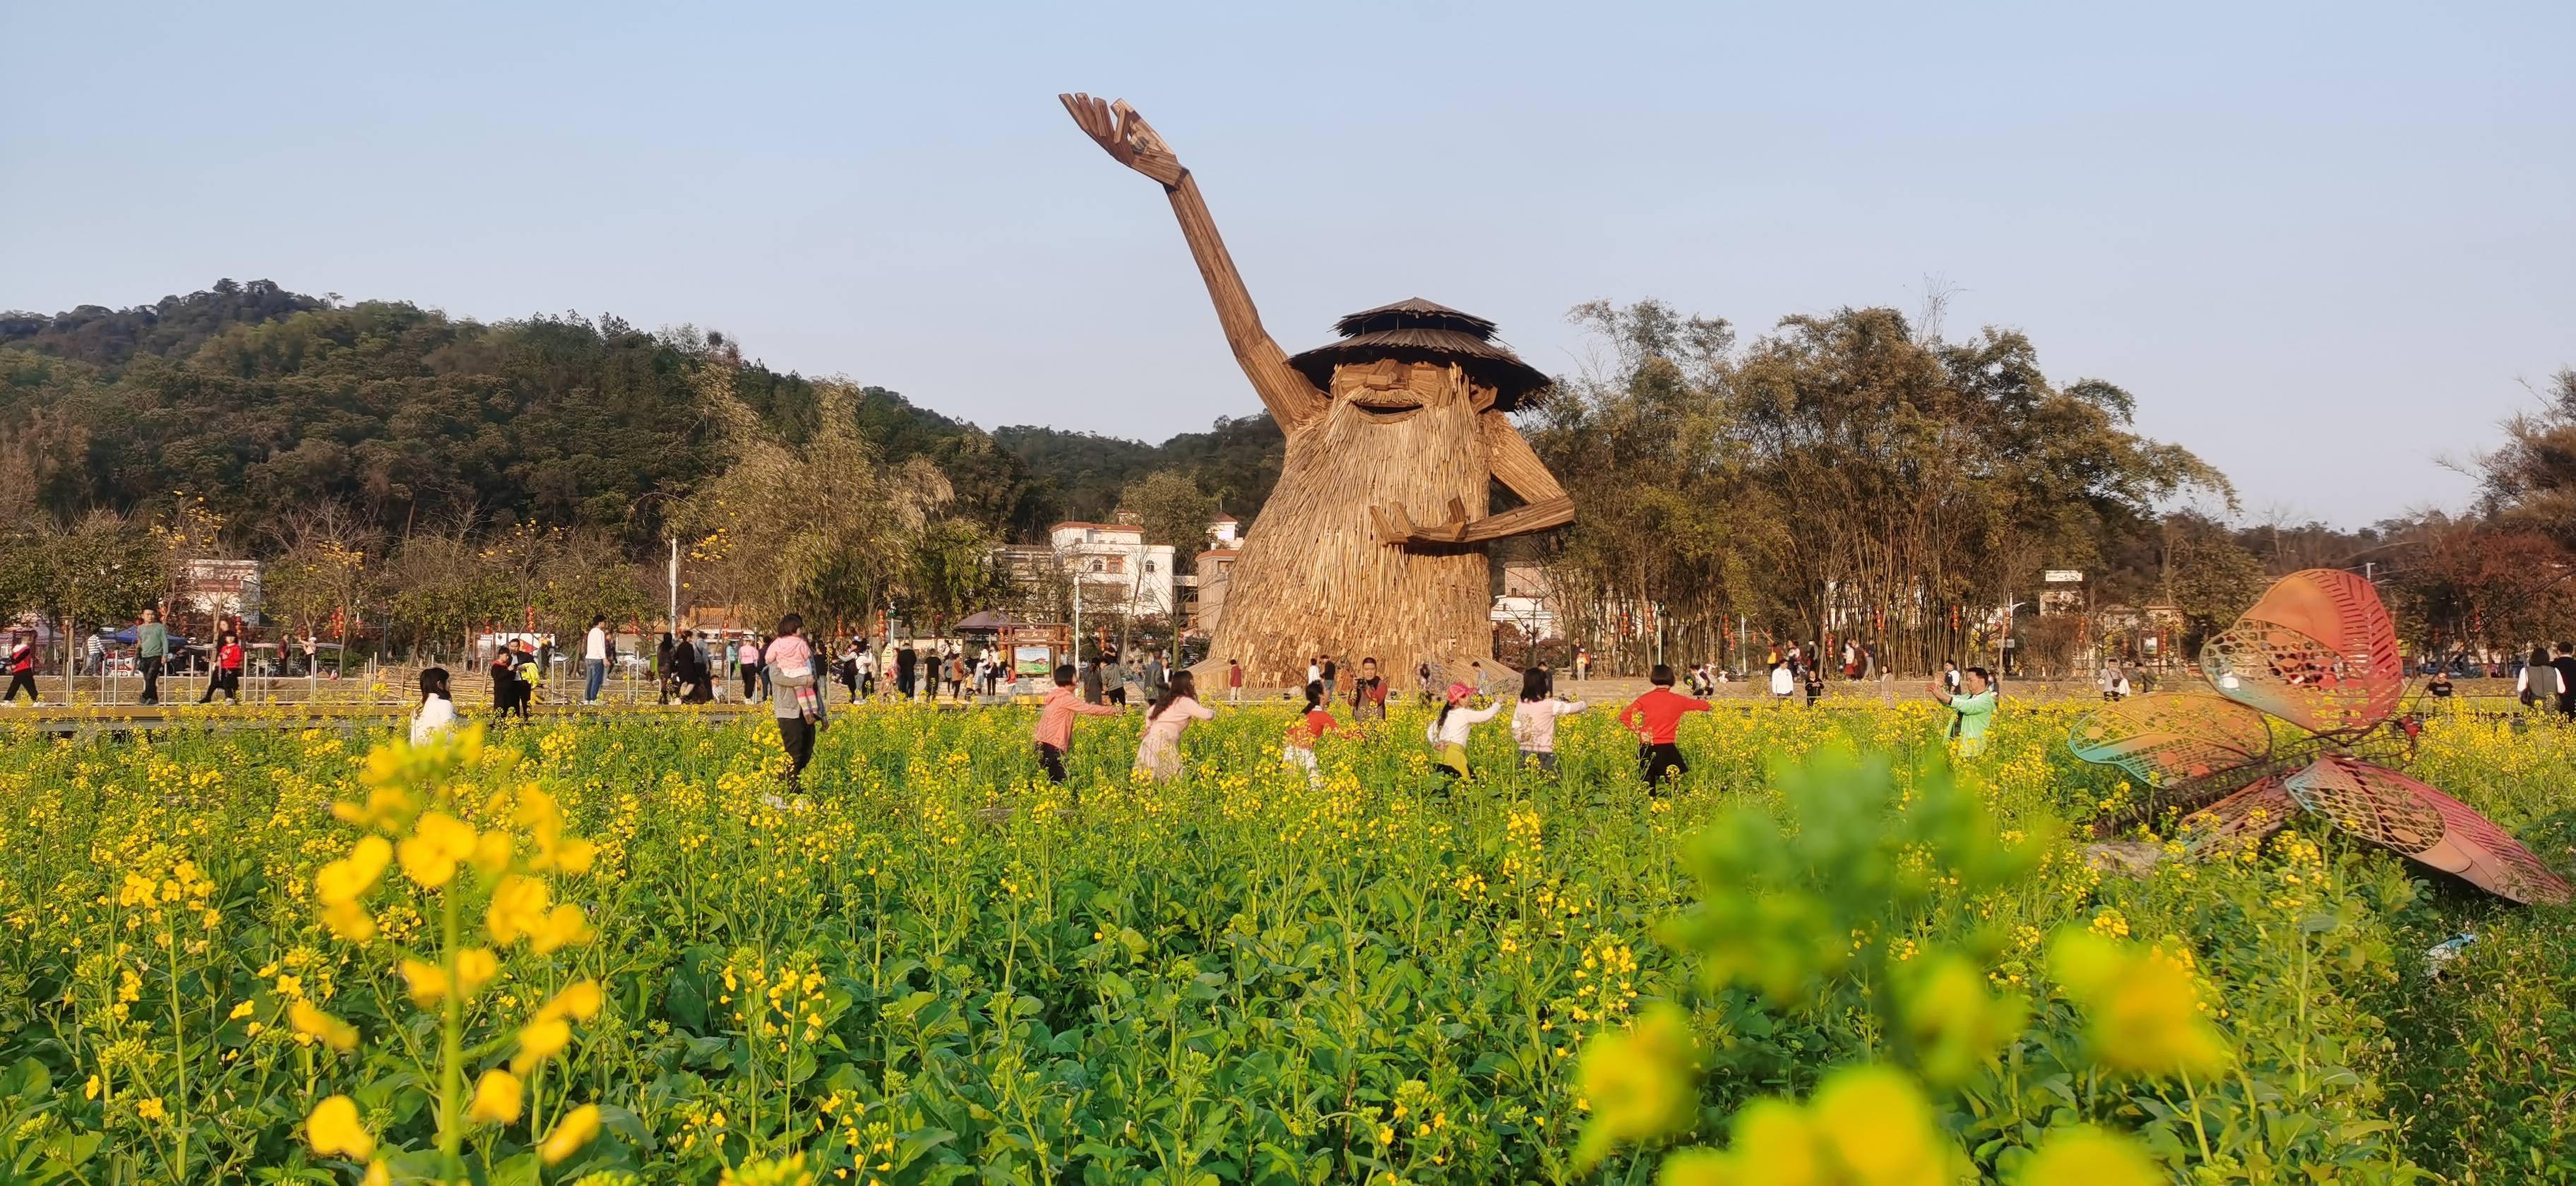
(1236,460)
(262,400)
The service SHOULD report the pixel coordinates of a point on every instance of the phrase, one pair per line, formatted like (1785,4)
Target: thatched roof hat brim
(1414,312)
(1417,330)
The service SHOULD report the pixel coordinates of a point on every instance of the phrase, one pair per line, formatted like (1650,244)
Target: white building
(1525,601)
(1216,569)
(1114,568)
(220,589)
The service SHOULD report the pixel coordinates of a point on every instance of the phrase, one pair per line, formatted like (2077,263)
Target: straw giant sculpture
(1373,541)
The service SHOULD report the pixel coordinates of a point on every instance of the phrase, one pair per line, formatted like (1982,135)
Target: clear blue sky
(2322,243)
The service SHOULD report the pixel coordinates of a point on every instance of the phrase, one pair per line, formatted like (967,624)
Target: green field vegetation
(928,968)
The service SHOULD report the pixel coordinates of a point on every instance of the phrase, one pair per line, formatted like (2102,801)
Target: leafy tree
(586,574)
(100,570)
(1845,477)
(2208,576)
(1173,510)
(436,591)
(2530,480)
(824,526)
(2471,584)
(951,572)
(320,584)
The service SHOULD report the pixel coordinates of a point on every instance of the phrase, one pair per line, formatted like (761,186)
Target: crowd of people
(691,668)
(785,670)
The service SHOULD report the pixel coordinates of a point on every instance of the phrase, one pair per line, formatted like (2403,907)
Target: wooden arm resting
(1395,528)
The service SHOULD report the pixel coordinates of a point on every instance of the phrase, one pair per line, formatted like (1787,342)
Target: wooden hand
(1125,136)
(1292,399)
(1395,528)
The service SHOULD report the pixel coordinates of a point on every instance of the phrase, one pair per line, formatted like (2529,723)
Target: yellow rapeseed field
(616,949)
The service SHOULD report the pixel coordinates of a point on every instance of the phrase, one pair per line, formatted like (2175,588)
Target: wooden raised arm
(1292,399)
(1513,463)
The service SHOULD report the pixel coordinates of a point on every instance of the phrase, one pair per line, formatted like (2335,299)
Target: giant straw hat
(1417,330)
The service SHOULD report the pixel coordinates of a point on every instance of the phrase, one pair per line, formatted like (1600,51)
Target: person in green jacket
(1972,708)
(151,651)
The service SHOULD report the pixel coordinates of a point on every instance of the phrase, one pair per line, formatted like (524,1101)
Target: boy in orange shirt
(1055,722)
(1655,718)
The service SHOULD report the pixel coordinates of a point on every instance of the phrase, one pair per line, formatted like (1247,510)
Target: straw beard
(1313,578)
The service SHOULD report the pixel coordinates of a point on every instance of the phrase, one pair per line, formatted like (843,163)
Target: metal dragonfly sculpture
(2319,652)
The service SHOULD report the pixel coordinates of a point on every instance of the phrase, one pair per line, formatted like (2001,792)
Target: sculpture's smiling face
(1391,392)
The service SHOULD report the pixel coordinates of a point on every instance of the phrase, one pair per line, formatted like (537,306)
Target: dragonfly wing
(2390,809)
(2169,738)
(2319,651)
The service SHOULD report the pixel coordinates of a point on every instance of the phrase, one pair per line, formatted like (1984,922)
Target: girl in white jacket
(1534,720)
(437,714)
(1448,731)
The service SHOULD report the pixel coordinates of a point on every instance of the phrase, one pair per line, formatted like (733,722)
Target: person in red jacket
(1303,732)
(22,668)
(226,676)
(1655,717)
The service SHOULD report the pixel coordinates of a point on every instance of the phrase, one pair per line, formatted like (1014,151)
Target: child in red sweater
(1655,718)
(1316,725)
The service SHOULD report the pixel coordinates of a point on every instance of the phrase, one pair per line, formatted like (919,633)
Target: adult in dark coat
(689,675)
(505,682)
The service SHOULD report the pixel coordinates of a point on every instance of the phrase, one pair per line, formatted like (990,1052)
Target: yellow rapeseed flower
(475,967)
(1880,1128)
(322,1027)
(386,807)
(496,1098)
(579,1002)
(785,1171)
(571,1133)
(572,857)
(2142,1011)
(1774,1145)
(1955,1022)
(1708,1167)
(492,851)
(1639,1082)
(1866,1126)
(518,909)
(333,1129)
(2089,1156)
(563,926)
(428,982)
(539,1041)
(437,843)
(345,879)
(350,921)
